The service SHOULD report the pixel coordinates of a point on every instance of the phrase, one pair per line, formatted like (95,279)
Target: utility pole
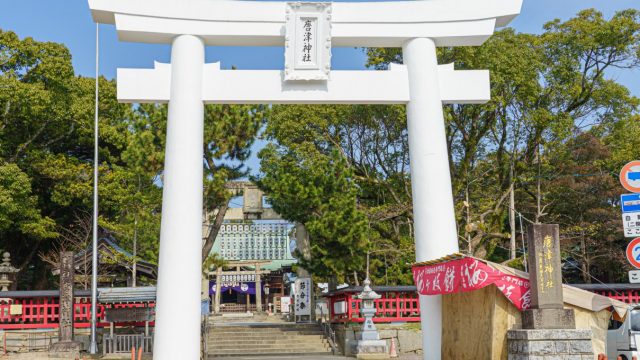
(512,223)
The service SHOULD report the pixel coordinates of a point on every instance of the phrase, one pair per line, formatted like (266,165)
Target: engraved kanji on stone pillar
(545,276)
(66,347)
(545,267)
(66,296)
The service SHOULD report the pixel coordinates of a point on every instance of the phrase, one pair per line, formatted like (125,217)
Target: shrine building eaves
(253,23)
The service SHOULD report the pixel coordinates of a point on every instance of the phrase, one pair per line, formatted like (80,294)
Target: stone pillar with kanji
(66,347)
(545,276)
(548,329)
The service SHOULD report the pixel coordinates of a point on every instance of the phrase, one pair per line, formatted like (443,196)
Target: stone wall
(25,341)
(408,337)
(550,345)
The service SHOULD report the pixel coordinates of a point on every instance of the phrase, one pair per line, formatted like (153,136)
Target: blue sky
(69,22)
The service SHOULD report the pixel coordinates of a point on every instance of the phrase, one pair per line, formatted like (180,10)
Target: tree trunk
(467,206)
(585,266)
(213,233)
(134,268)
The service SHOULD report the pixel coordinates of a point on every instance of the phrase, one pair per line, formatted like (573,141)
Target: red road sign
(630,176)
(633,253)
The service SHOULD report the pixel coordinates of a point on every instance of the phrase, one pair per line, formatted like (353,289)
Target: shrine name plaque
(308,41)
(123,315)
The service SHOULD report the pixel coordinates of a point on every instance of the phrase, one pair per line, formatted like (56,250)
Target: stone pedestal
(548,319)
(65,350)
(372,349)
(555,344)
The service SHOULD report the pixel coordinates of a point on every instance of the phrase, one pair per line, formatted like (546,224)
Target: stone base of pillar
(548,319)
(550,344)
(371,349)
(65,350)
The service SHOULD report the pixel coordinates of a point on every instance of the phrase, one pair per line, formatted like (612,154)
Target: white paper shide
(308,41)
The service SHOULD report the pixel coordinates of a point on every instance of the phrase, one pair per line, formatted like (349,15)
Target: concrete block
(409,341)
(555,344)
(580,347)
(513,347)
(541,348)
(372,349)
(563,347)
(544,334)
(388,334)
(573,357)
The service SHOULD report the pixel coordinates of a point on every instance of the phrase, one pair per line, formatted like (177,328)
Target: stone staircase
(265,339)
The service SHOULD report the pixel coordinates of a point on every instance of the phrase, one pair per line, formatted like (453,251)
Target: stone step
(263,344)
(265,339)
(257,329)
(281,351)
(268,335)
(267,346)
(306,339)
(311,355)
(264,333)
(270,326)
(288,339)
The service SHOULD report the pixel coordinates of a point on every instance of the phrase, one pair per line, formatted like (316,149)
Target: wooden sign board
(123,315)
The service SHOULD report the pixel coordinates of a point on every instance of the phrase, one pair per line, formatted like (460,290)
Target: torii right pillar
(433,212)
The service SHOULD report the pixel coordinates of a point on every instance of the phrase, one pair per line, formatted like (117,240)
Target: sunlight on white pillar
(177,334)
(433,212)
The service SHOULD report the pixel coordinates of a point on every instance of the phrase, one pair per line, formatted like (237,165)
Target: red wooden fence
(43,313)
(626,296)
(396,306)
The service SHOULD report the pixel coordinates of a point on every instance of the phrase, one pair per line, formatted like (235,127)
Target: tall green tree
(547,91)
(46,157)
(343,166)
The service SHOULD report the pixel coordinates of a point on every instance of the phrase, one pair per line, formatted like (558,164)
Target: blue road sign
(630,202)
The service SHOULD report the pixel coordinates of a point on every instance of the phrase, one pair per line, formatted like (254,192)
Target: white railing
(123,343)
(328,332)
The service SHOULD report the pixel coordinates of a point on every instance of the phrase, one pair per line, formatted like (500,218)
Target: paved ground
(43,356)
(321,357)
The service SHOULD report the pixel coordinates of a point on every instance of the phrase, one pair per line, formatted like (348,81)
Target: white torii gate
(418,27)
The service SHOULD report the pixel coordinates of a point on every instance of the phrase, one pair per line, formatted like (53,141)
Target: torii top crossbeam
(253,23)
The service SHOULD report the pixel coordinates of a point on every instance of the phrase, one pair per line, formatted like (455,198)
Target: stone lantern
(6,272)
(370,346)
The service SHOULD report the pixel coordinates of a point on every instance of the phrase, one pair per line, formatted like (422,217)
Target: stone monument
(547,311)
(548,329)
(66,347)
(370,346)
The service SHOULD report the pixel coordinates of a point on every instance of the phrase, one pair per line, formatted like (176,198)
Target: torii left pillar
(179,266)
(433,212)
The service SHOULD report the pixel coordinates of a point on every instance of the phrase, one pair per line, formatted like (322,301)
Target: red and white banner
(468,274)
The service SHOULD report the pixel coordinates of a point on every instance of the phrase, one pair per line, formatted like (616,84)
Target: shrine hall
(256,246)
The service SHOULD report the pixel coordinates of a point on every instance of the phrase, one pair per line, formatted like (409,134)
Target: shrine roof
(108,247)
(378,289)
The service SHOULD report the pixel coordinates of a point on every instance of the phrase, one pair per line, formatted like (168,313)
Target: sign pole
(93,346)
